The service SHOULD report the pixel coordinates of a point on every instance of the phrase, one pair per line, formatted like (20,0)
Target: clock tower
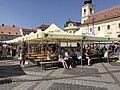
(87,10)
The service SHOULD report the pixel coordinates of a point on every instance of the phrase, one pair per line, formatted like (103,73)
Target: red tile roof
(9,30)
(104,15)
(27,31)
(43,27)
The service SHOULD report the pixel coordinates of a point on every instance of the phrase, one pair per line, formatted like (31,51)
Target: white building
(107,20)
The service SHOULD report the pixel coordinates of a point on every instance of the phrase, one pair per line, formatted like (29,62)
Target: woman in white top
(87,57)
(61,59)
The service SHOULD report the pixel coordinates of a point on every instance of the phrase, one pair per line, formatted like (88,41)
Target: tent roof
(83,32)
(54,29)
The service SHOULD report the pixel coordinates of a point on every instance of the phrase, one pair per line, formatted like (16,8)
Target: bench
(44,63)
(49,62)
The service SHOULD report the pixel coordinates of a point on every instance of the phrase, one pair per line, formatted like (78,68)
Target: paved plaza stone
(62,86)
(100,76)
(82,71)
(115,63)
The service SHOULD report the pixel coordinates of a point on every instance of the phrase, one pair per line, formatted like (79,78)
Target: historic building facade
(107,20)
(9,32)
(12,32)
(71,27)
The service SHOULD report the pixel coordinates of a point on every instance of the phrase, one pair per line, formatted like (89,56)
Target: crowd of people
(69,57)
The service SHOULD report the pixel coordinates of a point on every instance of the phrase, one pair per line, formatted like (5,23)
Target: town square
(71,45)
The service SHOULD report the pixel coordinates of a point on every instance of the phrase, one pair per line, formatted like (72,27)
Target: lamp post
(83,38)
(108,57)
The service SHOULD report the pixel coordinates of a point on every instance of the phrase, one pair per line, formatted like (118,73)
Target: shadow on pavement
(5,81)
(12,70)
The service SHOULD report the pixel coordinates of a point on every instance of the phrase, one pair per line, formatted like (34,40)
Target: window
(1,31)
(119,25)
(119,35)
(70,32)
(108,26)
(84,11)
(6,37)
(70,24)
(74,31)
(16,33)
(9,32)
(90,11)
(90,29)
(98,28)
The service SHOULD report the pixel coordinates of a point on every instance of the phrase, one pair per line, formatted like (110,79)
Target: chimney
(13,25)
(2,24)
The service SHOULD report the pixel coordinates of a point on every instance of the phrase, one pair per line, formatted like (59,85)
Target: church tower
(87,10)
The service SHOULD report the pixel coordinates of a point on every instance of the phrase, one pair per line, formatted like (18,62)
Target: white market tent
(53,32)
(38,36)
(88,36)
(105,35)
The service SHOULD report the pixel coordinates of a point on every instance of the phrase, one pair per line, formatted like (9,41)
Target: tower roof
(87,1)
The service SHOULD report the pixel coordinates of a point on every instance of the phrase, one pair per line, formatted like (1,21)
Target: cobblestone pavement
(100,76)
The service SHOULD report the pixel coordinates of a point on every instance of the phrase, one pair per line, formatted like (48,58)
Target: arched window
(90,10)
(84,11)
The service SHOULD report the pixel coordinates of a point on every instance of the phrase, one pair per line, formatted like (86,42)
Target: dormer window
(70,24)
(16,33)
(9,32)
(1,31)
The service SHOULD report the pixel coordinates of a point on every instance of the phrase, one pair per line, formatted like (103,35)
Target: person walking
(22,52)
(1,49)
(4,49)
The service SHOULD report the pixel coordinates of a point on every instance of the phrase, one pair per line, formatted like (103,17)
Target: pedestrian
(4,49)
(22,52)
(61,59)
(88,57)
(0,49)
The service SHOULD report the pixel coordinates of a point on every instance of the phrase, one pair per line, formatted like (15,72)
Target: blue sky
(32,13)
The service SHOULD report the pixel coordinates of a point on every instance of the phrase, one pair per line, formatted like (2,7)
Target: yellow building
(71,27)
(107,20)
